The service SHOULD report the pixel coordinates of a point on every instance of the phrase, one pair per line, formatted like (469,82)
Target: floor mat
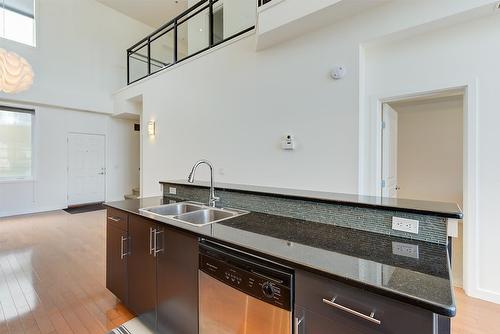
(85,208)
(134,326)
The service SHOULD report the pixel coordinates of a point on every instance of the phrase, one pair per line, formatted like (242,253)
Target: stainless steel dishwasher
(243,294)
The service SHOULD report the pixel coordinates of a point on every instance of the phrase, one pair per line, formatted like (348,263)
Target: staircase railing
(199,28)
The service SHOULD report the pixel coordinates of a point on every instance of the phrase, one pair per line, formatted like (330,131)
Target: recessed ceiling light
(201,29)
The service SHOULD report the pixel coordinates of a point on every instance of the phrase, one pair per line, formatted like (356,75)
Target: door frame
(105,161)
(371,171)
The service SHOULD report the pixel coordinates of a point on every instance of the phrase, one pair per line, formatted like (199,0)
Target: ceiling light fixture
(16,74)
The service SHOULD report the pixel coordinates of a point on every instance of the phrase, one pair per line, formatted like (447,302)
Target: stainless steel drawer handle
(122,247)
(155,242)
(297,322)
(151,246)
(370,317)
(114,219)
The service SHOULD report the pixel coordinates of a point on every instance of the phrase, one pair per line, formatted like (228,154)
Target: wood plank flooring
(52,275)
(52,279)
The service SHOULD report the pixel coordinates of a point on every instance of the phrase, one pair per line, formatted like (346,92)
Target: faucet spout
(212,199)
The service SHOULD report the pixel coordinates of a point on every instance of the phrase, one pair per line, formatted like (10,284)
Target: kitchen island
(405,283)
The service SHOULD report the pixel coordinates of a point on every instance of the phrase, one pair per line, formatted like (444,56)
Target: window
(15,143)
(17,21)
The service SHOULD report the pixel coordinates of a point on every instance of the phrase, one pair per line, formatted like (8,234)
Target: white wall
(262,96)
(466,53)
(241,129)
(233,105)
(123,158)
(80,54)
(78,62)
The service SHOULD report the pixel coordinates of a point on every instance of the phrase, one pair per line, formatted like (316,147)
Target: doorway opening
(422,154)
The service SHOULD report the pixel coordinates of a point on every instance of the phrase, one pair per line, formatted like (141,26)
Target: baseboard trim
(484,294)
(31,211)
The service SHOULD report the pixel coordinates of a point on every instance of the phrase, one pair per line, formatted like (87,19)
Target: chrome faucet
(212,199)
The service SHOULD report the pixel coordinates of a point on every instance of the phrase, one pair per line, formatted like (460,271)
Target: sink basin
(206,216)
(191,213)
(174,209)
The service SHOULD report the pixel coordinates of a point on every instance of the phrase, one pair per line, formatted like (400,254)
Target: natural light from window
(17,21)
(15,144)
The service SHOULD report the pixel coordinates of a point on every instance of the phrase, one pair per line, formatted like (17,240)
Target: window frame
(35,30)
(32,112)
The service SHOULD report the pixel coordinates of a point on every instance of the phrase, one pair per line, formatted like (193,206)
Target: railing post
(175,42)
(149,55)
(211,22)
(128,67)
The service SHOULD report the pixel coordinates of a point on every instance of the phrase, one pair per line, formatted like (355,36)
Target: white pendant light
(16,74)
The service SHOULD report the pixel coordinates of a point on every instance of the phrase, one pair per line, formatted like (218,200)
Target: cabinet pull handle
(297,322)
(151,245)
(156,250)
(122,247)
(370,317)
(114,219)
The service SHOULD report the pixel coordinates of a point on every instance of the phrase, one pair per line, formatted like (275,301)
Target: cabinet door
(349,310)
(177,279)
(142,270)
(116,261)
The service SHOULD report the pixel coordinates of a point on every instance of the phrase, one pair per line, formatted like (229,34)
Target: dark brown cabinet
(153,269)
(328,304)
(116,255)
(177,282)
(141,271)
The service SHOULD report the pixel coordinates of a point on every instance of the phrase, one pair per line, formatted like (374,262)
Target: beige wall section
(430,149)
(430,156)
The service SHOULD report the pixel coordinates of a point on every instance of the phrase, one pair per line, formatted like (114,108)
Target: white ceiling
(151,12)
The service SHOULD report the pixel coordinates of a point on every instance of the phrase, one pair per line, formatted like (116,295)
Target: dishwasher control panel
(252,276)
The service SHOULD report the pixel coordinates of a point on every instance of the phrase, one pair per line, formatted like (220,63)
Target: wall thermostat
(338,72)
(288,143)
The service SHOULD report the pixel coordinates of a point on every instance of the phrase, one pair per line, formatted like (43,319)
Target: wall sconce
(151,128)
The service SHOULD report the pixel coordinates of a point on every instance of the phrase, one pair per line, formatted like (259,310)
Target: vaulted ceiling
(151,12)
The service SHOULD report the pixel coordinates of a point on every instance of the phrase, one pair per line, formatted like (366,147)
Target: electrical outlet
(172,191)
(405,225)
(408,250)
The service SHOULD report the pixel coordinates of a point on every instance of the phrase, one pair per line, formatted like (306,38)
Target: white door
(86,168)
(389,151)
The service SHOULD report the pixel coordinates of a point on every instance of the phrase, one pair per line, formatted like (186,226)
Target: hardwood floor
(475,316)
(52,279)
(52,275)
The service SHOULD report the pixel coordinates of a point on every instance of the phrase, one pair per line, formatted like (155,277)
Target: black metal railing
(196,30)
(263,2)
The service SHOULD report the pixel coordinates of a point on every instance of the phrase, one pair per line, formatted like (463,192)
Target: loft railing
(201,27)
(263,2)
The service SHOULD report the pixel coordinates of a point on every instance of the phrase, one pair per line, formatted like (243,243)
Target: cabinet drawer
(118,219)
(361,311)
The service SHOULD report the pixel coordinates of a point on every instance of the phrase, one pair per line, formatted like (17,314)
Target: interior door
(86,168)
(389,152)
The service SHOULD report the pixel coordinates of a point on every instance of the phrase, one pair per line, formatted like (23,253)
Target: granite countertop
(359,258)
(440,209)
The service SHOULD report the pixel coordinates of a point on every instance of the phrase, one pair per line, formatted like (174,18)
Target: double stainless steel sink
(192,213)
